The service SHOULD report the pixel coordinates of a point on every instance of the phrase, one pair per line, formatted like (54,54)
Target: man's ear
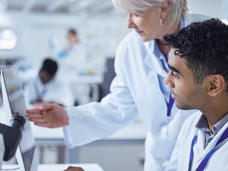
(216,84)
(165,8)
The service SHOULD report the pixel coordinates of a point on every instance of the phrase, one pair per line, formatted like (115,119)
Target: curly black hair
(50,66)
(204,46)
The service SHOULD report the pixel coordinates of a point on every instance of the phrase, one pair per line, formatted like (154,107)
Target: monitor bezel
(8,109)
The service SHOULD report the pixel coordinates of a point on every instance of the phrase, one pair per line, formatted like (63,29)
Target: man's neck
(214,113)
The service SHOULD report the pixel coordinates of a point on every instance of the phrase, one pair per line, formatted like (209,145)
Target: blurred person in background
(72,61)
(138,87)
(72,57)
(45,88)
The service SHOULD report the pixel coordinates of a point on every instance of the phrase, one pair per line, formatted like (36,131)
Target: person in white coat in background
(72,61)
(138,88)
(72,57)
(46,88)
(198,79)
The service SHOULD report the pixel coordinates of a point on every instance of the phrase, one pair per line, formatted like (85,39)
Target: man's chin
(182,106)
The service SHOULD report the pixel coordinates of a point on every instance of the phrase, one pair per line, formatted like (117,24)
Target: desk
(73,79)
(91,81)
(72,76)
(86,79)
(59,167)
(132,134)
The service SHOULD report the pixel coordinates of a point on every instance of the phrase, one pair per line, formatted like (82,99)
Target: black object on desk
(12,136)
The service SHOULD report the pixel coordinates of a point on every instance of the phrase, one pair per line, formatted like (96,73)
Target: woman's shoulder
(132,42)
(131,39)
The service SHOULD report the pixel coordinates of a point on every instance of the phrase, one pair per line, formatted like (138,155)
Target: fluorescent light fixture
(8,39)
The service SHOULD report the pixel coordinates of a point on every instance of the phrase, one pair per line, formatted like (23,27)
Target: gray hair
(178,7)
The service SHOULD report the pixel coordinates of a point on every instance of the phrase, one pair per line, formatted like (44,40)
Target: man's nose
(168,80)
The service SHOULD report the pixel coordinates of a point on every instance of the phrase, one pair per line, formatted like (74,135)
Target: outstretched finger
(34,111)
(37,120)
(34,116)
(42,124)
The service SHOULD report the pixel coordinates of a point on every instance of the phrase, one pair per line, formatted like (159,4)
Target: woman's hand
(51,116)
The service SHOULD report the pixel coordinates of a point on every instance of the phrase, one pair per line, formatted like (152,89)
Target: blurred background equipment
(109,74)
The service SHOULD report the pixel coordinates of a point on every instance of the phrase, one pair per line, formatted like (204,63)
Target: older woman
(138,88)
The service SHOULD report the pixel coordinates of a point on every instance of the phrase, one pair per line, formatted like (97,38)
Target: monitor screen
(13,99)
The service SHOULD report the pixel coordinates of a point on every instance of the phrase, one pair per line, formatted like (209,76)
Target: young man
(46,88)
(198,79)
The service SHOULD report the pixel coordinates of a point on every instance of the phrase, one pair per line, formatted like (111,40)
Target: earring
(161,22)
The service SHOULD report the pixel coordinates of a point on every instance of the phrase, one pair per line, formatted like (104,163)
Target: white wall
(213,8)
(101,34)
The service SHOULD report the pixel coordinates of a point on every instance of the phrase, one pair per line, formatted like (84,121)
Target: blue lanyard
(163,65)
(207,157)
(168,103)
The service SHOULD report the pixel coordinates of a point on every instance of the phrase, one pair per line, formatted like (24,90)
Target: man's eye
(175,75)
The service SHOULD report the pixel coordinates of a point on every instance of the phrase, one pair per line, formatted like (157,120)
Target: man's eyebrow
(174,69)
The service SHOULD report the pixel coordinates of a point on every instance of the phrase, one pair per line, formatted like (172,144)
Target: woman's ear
(216,84)
(165,8)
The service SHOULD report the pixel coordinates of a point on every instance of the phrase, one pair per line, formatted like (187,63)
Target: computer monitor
(14,102)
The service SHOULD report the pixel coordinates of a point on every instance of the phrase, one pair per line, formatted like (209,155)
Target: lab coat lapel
(211,144)
(152,70)
(152,62)
(200,143)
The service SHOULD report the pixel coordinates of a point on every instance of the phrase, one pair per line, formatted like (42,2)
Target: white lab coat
(73,61)
(54,91)
(180,157)
(134,91)
(72,64)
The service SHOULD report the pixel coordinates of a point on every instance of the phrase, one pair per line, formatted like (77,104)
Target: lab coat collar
(203,124)
(210,145)
(152,58)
